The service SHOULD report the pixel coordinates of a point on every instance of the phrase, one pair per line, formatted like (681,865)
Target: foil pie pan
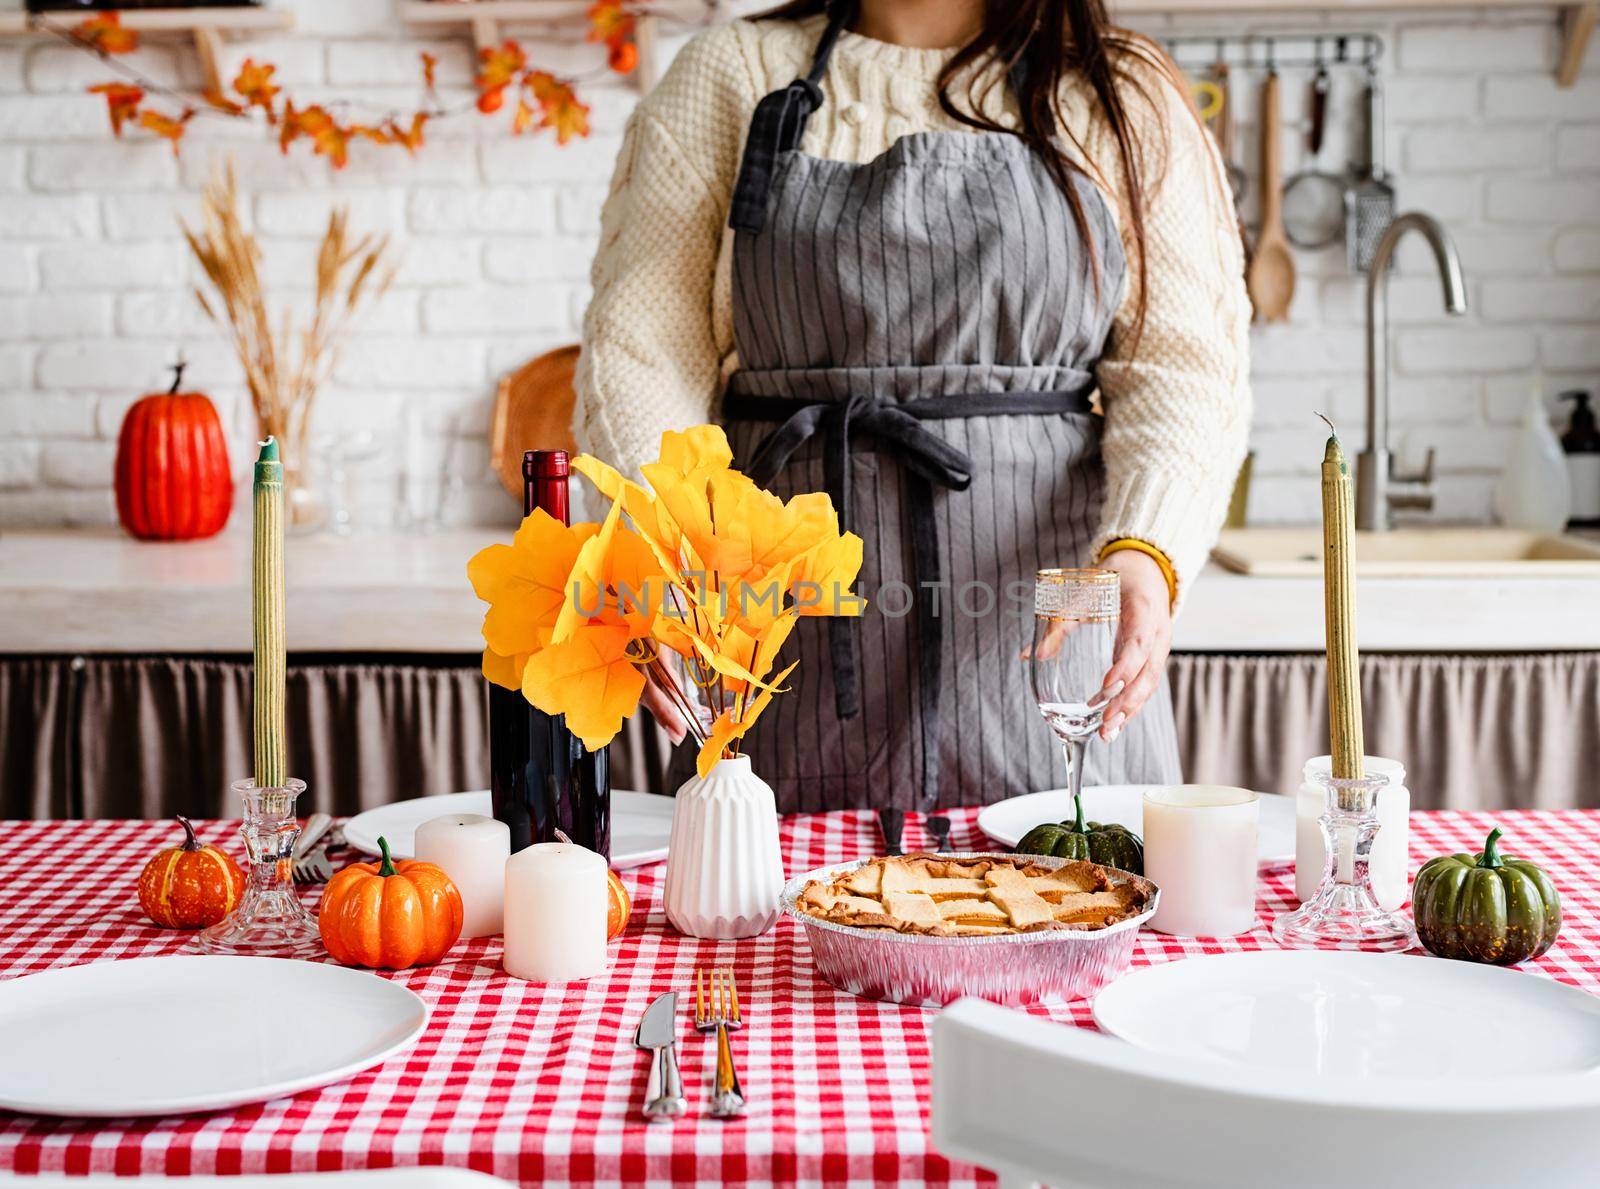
(1012,969)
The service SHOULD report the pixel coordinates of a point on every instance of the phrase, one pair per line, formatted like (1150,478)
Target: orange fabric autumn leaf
(328,139)
(590,678)
(729,725)
(505,671)
(410,137)
(254,84)
(166,126)
(499,65)
(104,32)
(525,583)
(691,449)
(122,102)
(288,126)
(614,580)
(568,118)
(559,108)
(524,118)
(222,103)
(430,67)
(609,22)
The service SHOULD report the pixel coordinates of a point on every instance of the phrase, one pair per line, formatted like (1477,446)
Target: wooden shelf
(486,17)
(158,20)
(1577,20)
(204,25)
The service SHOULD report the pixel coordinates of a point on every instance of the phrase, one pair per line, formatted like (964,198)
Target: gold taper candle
(1339,604)
(268,616)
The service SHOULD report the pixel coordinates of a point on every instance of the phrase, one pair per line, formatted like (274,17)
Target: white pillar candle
(1200,850)
(1390,860)
(472,850)
(556,902)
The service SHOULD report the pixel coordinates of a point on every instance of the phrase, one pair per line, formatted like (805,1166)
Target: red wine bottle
(541,778)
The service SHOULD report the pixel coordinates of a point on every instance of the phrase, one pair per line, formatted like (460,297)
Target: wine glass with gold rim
(1075,613)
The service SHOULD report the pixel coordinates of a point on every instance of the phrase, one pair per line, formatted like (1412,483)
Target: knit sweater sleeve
(657,327)
(1177,398)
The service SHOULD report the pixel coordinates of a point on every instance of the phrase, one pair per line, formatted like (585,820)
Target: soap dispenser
(1534,489)
(1581,443)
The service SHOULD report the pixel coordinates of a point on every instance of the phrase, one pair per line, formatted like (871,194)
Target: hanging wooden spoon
(1271,276)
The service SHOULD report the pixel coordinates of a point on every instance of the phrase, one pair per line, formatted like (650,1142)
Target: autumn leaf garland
(542,100)
(708,566)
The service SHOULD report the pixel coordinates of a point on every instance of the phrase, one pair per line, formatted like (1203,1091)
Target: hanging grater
(1369,200)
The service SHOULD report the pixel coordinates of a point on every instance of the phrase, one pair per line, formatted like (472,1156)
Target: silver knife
(658,1031)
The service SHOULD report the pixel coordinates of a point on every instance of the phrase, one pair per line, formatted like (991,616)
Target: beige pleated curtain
(147,737)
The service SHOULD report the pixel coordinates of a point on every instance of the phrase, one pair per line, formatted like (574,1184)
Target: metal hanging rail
(1266,51)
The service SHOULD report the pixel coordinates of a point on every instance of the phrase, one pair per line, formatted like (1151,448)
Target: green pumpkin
(1484,908)
(1109,845)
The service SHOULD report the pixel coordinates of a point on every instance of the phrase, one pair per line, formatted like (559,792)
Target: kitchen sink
(1412,553)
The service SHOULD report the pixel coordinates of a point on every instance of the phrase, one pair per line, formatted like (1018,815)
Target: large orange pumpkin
(389,914)
(190,886)
(619,907)
(173,481)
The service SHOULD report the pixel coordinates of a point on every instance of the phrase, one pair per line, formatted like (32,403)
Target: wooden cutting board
(533,411)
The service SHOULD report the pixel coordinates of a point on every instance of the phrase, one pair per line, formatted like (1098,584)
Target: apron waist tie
(928,460)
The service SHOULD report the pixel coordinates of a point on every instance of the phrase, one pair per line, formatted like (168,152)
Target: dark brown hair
(1051,40)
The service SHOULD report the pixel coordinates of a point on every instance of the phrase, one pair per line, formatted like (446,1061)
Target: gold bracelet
(1151,551)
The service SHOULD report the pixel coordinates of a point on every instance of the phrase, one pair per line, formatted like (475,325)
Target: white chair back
(1036,1101)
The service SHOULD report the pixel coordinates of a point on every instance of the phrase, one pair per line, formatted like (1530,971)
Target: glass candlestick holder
(270,921)
(1344,913)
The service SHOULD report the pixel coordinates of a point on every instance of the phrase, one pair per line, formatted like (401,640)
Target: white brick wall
(497,234)
(1479,136)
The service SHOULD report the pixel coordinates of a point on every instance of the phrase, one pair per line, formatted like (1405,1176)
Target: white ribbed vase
(724,871)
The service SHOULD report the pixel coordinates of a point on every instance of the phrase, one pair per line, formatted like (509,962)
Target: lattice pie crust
(948,897)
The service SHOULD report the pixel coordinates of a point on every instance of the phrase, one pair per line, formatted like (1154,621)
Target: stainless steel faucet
(1380,486)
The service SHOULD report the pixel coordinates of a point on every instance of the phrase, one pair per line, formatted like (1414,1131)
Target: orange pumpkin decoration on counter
(619,907)
(390,915)
(190,886)
(173,480)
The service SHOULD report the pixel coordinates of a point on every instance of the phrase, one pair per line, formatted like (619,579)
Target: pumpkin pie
(954,897)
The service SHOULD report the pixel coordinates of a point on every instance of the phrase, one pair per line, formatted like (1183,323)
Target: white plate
(641,824)
(161,1036)
(1373,1016)
(1123,805)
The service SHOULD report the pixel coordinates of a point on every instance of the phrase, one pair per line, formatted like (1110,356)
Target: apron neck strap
(777,126)
(839,16)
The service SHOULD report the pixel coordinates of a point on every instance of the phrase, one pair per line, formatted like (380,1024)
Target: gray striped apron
(915,336)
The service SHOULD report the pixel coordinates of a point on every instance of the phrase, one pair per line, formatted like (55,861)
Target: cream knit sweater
(658,335)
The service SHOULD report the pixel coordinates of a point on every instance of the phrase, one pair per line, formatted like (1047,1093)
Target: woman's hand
(1144,637)
(663,709)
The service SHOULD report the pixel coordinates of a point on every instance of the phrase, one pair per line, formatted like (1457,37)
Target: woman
(897,270)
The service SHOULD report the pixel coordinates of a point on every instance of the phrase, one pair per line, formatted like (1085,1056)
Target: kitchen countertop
(102,592)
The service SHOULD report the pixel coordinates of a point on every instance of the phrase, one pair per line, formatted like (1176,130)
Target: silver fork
(719,1012)
(312,866)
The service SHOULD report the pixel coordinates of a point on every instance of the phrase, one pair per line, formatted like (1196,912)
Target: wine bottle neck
(544,483)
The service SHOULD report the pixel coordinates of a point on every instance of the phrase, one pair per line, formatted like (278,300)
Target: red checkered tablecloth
(541,1084)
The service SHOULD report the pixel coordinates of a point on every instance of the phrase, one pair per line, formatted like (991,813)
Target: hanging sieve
(1313,200)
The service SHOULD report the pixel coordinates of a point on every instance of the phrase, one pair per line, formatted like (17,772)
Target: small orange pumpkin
(190,886)
(619,907)
(388,914)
